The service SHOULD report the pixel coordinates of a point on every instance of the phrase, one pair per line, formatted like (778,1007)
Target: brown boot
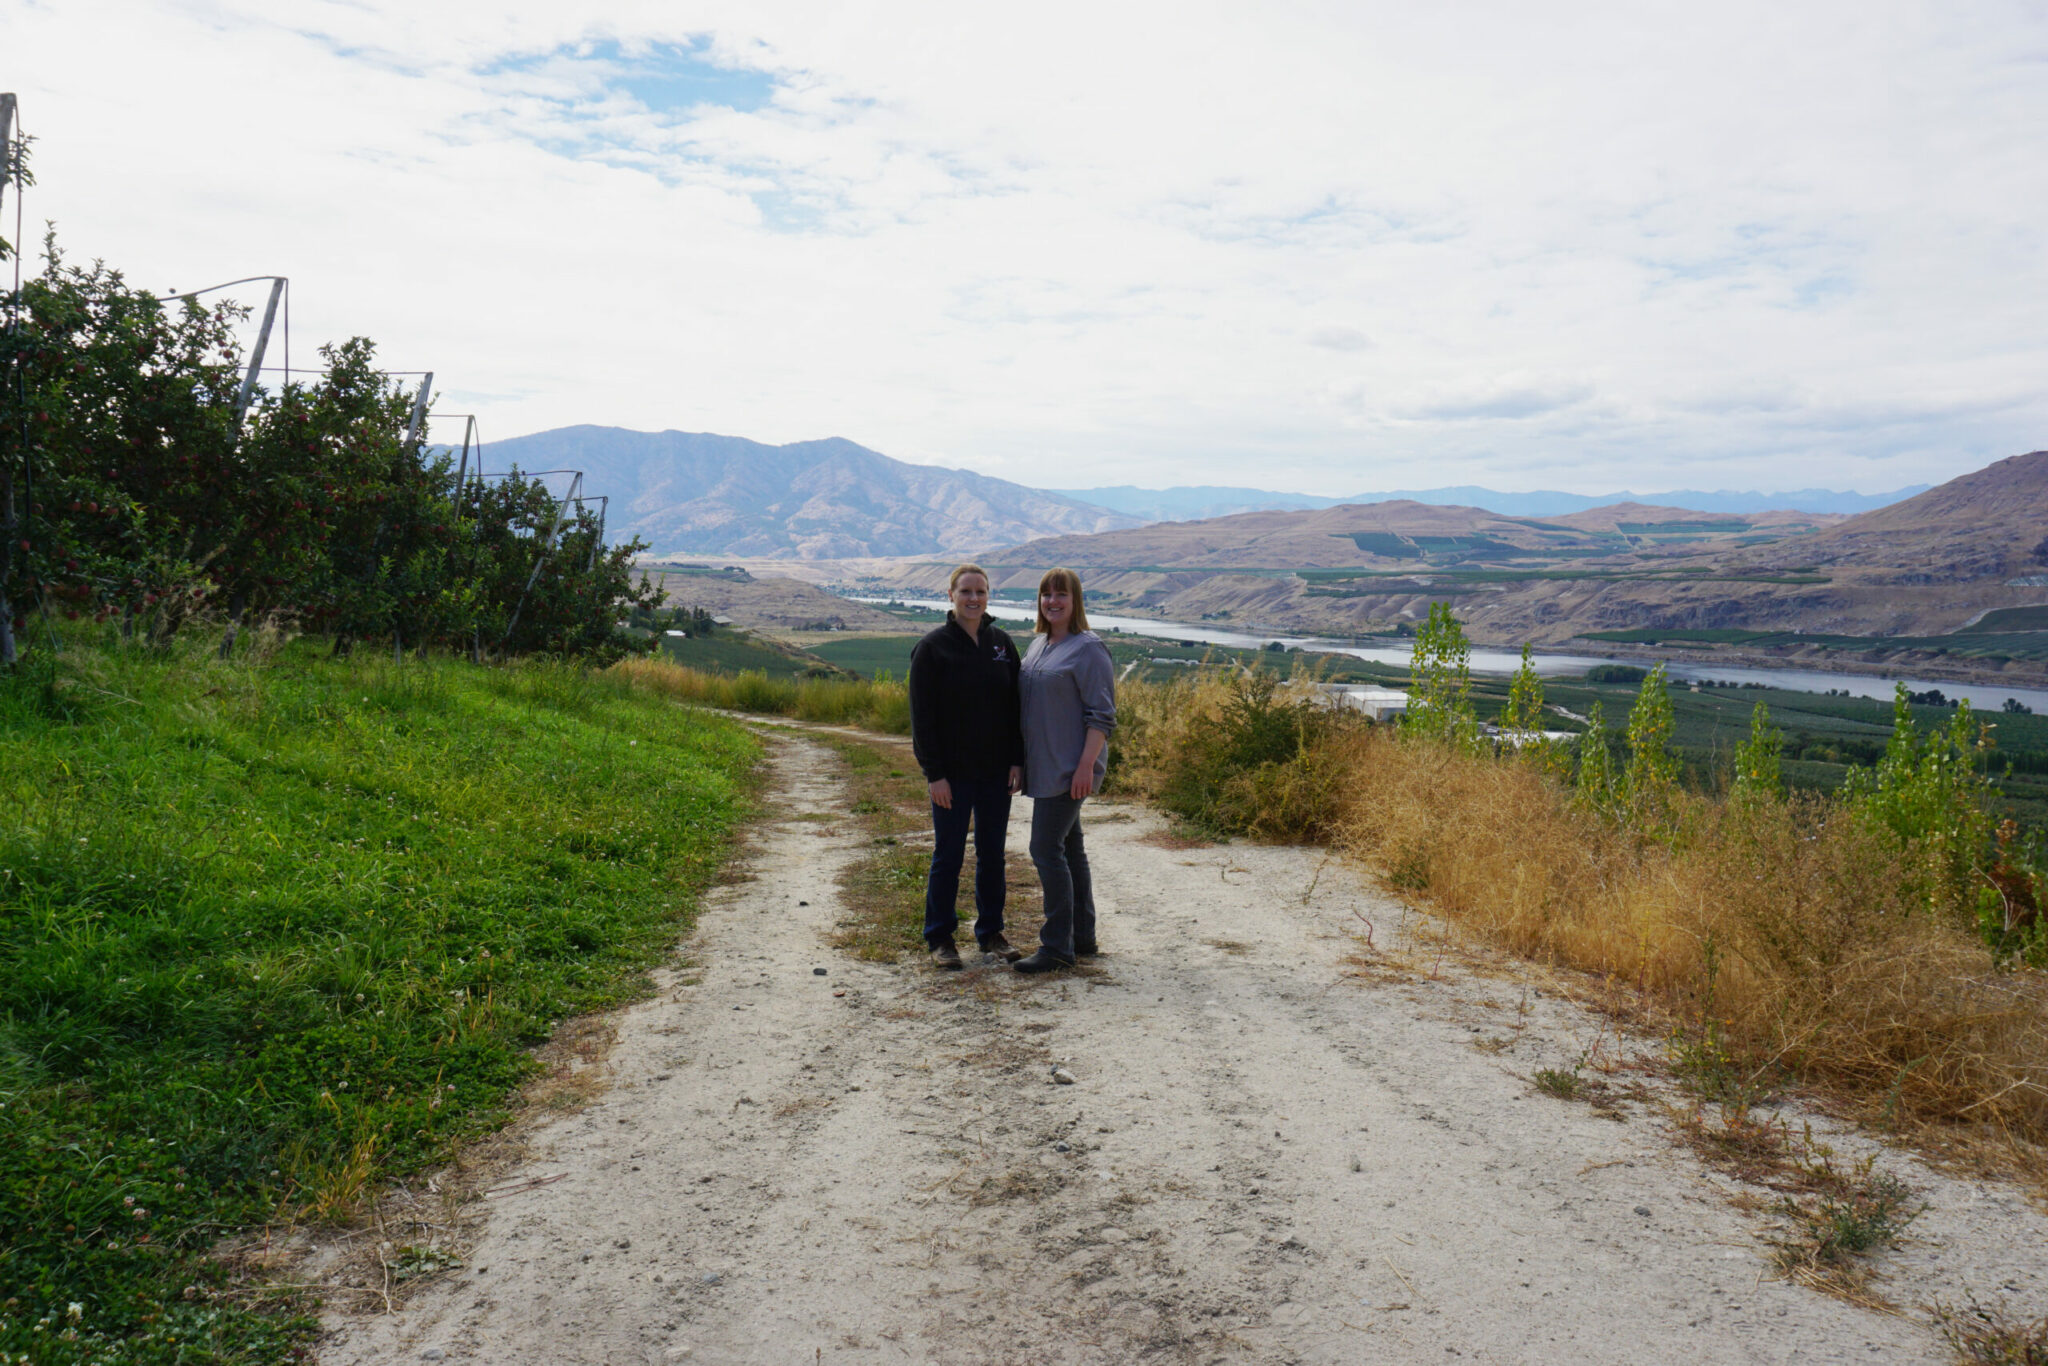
(946,956)
(995,946)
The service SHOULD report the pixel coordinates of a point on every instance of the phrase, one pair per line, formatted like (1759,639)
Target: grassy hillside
(270,932)
(868,655)
(734,652)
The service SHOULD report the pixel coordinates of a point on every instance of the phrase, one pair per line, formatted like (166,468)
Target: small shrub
(1992,1335)
(2010,909)
(1704,1066)
(1839,1228)
(1248,760)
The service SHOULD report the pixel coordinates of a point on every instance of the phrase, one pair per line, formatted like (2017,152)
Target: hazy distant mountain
(701,494)
(1191,503)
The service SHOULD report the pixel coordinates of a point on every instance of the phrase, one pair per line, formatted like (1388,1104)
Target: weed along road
(1299,1129)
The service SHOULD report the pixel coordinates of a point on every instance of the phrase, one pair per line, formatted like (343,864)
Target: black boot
(1045,960)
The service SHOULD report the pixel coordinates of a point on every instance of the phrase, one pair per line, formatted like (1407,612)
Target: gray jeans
(1062,862)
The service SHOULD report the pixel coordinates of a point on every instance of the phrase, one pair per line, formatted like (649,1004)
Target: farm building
(1381,704)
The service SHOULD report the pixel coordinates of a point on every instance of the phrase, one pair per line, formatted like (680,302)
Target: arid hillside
(1969,556)
(1407,535)
(1989,524)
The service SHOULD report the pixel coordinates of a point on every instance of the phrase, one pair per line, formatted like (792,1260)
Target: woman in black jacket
(964,732)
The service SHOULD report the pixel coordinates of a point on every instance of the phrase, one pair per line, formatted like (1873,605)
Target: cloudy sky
(1323,247)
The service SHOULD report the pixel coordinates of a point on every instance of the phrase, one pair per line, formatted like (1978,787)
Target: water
(1984,697)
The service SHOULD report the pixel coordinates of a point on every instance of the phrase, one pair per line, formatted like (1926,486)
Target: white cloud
(1510,399)
(1742,245)
(1337,337)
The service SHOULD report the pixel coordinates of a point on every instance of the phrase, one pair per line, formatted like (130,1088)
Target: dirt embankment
(1282,1145)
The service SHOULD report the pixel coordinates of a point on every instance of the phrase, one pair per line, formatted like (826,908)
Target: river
(1983,697)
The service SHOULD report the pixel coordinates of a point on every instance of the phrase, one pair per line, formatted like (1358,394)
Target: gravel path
(1269,1154)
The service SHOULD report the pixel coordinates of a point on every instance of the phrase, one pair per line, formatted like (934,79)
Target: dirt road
(1268,1154)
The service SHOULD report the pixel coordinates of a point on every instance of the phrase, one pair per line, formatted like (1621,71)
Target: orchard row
(130,494)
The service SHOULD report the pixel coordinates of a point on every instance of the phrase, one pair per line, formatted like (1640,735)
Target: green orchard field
(273,932)
(867,656)
(727,651)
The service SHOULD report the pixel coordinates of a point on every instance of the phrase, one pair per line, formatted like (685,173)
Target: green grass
(1384,544)
(840,700)
(871,655)
(919,616)
(2008,619)
(732,652)
(272,932)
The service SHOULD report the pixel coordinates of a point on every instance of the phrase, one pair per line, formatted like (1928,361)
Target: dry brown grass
(1835,1216)
(1174,839)
(1993,1335)
(1785,925)
(862,702)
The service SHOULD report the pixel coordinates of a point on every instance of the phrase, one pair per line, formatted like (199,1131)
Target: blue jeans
(989,804)
(1062,861)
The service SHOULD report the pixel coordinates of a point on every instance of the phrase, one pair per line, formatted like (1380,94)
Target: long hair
(1071,582)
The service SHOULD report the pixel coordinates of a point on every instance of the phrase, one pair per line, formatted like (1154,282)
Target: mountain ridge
(701,493)
(1199,502)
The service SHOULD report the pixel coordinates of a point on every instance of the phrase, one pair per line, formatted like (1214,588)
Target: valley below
(1949,585)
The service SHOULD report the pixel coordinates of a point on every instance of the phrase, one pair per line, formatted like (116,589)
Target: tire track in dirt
(1267,1157)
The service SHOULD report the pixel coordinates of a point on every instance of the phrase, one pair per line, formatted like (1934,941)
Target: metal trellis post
(6,146)
(256,354)
(547,552)
(419,410)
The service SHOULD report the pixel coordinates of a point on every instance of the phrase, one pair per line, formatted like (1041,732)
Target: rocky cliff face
(695,493)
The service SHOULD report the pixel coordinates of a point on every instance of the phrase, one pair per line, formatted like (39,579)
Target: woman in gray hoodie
(1067,699)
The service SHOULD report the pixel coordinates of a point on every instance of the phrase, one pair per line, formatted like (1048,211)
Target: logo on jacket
(1000,653)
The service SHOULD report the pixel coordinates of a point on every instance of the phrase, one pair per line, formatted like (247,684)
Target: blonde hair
(953,579)
(1071,582)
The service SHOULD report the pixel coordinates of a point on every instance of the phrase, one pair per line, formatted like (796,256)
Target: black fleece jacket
(963,704)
